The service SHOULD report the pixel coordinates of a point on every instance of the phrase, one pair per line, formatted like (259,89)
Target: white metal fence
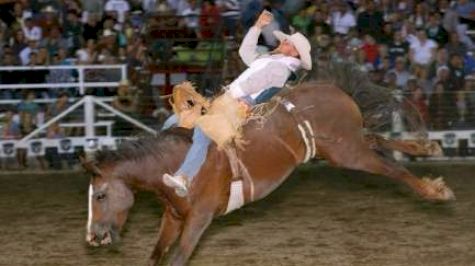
(91,121)
(81,83)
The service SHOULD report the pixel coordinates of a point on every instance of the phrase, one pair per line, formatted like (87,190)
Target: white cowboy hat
(108,32)
(49,9)
(300,43)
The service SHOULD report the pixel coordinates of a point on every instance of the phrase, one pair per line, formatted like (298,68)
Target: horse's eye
(101,196)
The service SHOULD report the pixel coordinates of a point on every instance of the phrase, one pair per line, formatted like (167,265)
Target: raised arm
(248,49)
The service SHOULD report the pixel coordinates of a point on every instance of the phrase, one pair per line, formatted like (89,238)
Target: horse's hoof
(437,190)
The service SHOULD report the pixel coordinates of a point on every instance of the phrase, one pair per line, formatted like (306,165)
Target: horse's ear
(89,166)
(82,159)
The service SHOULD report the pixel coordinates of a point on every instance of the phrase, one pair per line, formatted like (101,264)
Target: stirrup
(179,183)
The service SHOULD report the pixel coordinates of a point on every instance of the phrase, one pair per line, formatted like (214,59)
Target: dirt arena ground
(322,216)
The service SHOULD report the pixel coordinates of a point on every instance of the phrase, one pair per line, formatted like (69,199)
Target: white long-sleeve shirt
(264,71)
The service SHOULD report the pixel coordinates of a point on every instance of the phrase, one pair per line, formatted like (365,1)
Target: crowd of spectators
(422,49)
(419,48)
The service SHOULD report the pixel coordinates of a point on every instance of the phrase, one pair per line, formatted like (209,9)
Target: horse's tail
(378,104)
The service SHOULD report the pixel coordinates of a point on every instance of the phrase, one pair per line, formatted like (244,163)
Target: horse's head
(109,202)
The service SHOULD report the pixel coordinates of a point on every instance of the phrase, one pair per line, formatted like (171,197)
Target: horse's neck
(143,174)
(146,173)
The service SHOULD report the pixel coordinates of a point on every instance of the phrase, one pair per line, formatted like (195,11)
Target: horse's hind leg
(412,147)
(170,229)
(358,156)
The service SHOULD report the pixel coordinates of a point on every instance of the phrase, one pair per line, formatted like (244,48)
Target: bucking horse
(332,117)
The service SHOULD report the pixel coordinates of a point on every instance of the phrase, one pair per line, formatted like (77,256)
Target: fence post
(123,70)
(82,90)
(397,126)
(89,117)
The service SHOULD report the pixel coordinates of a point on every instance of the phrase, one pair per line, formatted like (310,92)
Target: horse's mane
(143,146)
(377,103)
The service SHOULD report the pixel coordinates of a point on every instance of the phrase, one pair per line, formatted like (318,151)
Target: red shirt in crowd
(371,52)
(209,19)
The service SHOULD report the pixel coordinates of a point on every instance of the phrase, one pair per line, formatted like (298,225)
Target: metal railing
(81,83)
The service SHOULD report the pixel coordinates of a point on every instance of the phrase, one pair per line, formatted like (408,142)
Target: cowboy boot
(178,182)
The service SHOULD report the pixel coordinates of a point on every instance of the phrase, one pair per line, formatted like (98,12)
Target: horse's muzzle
(101,235)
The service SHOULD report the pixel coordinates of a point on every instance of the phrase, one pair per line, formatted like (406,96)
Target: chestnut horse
(275,146)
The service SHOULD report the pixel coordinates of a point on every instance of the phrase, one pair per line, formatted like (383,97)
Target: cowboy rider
(264,71)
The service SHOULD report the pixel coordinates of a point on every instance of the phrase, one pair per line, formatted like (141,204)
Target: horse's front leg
(170,229)
(195,225)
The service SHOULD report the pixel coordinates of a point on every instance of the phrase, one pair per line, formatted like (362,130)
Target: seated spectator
(118,9)
(9,77)
(456,73)
(54,41)
(136,52)
(417,100)
(88,53)
(441,109)
(470,89)
(420,17)
(319,24)
(404,7)
(455,46)
(302,22)
(390,81)
(441,59)
(422,51)
(43,58)
(450,18)
(399,70)
(73,31)
(92,28)
(59,106)
(465,9)
(354,42)
(370,49)
(108,42)
(342,18)
(92,7)
(126,102)
(18,14)
(18,42)
(422,76)
(60,75)
(25,53)
(384,64)
(435,31)
(386,36)
(209,19)
(191,20)
(340,48)
(230,12)
(27,125)
(28,106)
(49,19)
(35,76)
(177,6)
(398,47)
(442,76)
(10,127)
(465,111)
(31,30)
(370,21)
